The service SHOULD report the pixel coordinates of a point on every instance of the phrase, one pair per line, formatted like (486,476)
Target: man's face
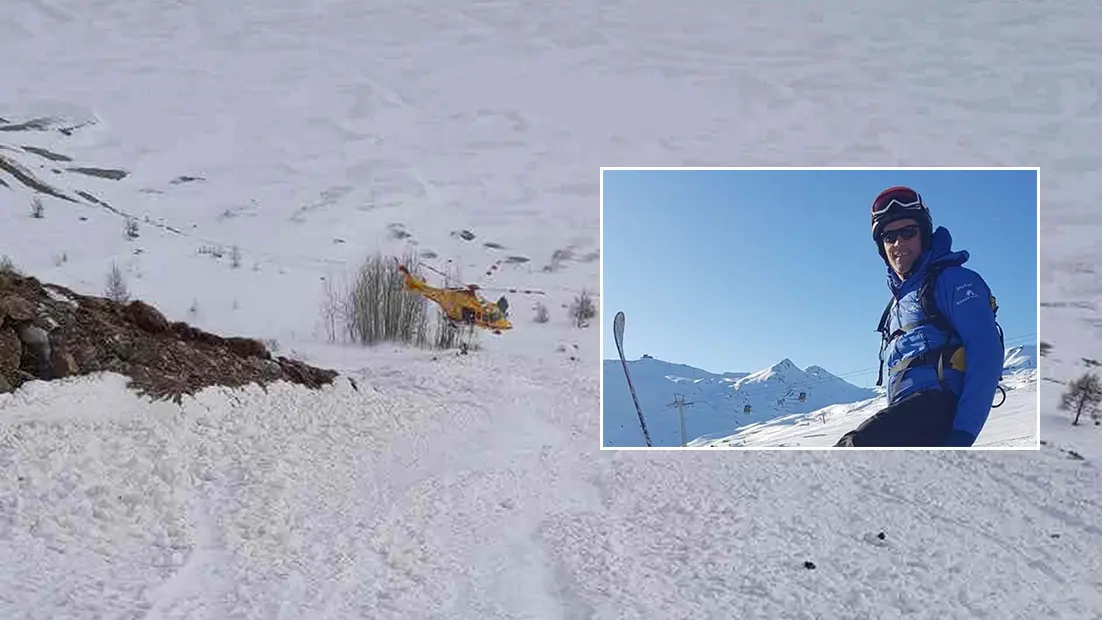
(903,245)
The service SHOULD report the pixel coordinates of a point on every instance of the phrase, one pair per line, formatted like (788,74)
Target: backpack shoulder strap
(882,327)
(926,297)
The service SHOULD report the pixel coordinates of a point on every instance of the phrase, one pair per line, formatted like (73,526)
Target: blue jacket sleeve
(965,299)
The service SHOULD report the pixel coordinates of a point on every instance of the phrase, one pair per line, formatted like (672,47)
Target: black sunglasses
(906,233)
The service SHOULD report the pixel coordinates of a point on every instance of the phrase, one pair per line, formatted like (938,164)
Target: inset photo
(814,308)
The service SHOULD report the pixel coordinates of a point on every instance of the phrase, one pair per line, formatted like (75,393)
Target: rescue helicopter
(461,305)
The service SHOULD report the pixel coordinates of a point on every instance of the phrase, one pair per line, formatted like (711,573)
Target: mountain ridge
(719,402)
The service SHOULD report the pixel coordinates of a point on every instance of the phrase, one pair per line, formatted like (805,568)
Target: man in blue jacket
(937,395)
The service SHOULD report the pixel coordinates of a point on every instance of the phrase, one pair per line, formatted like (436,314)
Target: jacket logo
(968,294)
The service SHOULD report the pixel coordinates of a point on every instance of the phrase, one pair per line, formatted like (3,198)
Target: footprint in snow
(877,540)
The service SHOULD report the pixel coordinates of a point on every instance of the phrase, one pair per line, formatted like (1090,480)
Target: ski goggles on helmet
(897,199)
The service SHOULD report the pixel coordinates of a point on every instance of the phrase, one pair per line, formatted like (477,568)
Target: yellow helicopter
(460,304)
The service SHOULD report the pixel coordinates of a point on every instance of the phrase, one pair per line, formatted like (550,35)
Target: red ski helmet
(900,203)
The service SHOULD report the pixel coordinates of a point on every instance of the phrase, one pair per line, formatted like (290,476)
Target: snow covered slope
(777,417)
(474,487)
(1013,424)
(719,401)
(1020,358)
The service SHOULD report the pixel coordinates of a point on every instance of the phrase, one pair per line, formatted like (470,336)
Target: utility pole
(679,402)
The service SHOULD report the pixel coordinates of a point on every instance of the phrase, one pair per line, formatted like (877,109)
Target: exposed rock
(63,364)
(34,337)
(36,350)
(44,336)
(16,308)
(11,352)
(147,317)
(247,347)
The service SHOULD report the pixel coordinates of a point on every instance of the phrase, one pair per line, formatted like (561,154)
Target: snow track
(458,500)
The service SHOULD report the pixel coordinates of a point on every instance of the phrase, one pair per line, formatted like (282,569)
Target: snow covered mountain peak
(819,371)
(783,371)
(1019,358)
(721,402)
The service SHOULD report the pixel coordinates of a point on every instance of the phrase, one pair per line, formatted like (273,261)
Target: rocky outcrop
(49,332)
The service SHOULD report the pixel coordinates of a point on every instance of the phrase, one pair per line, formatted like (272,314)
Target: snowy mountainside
(1023,357)
(773,394)
(1013,424)
(472,486)
(251,245)
(719,400)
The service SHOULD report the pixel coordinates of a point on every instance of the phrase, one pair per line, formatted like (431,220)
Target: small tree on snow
(116,286)
(1083,395)
(582,309)
(542,315)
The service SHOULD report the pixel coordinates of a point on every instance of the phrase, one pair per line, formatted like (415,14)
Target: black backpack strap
(885,337)
(934,315)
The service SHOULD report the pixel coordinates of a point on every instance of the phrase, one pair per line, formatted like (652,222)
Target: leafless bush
(38,210)
(374,307)
(7,266)
(542,314)
(582,309)
(116,285)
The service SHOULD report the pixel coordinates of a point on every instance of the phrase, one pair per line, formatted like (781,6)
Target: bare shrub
(7,266)
(374,307)
(116,289)
(582,309)
(542,314)
(38,210)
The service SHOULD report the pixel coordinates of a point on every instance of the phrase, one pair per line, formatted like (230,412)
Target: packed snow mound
(715,403)
(1020,358)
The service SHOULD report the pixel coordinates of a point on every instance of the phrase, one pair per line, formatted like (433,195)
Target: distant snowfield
(474,486)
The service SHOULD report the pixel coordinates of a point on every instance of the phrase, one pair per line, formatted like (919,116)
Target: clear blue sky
(732,271)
